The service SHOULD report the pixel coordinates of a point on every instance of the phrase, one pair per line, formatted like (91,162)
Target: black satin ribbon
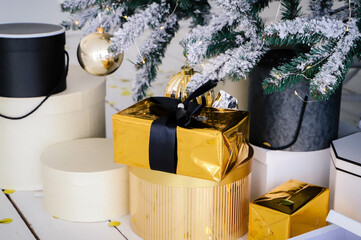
(163,131)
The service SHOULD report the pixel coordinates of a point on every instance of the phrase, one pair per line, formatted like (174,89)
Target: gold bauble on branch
(94,56)
(177,86)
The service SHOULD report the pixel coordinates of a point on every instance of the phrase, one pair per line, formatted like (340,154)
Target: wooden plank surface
(47,227)
(16,229)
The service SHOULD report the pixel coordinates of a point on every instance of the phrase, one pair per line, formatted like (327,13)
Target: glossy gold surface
(177,86)
(94,56)
(289,210)
(209,150)
(166,206)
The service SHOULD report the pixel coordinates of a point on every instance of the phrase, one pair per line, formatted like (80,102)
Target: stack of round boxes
(34,68)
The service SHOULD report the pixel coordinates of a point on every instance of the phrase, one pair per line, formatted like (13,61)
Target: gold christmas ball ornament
(177,86)
(94,56)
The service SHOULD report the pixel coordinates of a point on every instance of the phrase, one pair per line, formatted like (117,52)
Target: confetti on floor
(125,93)
(113,224)
(8,191)
(6,221)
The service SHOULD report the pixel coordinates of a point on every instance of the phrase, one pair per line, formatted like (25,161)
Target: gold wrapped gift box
(289,210)
(166,206)
(207,150)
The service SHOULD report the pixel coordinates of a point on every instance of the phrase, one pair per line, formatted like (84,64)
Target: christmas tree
(232,40)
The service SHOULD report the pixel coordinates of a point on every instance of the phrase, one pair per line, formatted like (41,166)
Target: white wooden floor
(31,222)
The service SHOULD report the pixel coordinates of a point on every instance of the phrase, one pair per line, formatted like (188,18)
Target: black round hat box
(32,59)
(274,117)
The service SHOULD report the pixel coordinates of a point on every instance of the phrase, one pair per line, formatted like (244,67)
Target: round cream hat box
(77,112)
(82,183)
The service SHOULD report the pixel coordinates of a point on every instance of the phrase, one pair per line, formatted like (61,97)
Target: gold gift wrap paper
(289,210)
(208,150)
(166,206)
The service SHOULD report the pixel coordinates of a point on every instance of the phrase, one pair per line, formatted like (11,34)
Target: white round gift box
(82,183)
(77,112)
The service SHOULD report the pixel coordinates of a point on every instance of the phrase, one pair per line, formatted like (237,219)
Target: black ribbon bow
(163,131)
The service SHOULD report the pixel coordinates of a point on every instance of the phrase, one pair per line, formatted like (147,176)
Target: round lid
(29,30)
(86,155)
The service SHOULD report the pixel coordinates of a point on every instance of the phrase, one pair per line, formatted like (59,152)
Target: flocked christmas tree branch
(89,15)
(234,64)
(136,24)
(151,55)
(200,38)
(337,65)
(233,40)
(324,66)
(74,6)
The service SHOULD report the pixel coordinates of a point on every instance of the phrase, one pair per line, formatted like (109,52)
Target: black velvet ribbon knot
(163,131)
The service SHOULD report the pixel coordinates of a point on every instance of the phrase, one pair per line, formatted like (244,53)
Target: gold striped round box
(169,206)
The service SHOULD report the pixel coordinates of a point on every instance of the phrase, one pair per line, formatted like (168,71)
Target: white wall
(30,11)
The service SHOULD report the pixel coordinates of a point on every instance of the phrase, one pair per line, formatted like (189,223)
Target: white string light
(303,100)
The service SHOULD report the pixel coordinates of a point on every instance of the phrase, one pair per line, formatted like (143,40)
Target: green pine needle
(292,71)
(221,42)
(291,9)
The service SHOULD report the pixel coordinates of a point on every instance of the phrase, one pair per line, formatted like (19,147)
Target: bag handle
(65,73)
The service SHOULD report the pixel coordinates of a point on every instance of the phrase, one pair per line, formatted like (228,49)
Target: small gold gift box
(289,210)
(208,150)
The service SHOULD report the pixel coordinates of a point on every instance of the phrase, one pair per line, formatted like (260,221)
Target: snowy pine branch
(335,68)
(136,24)
(305,28)
(241,7)
(197,42)
(108,19)
(300,68)
(92,15)
(151,55)
(73,6)
(234,63)
(233,40)
(325,65)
